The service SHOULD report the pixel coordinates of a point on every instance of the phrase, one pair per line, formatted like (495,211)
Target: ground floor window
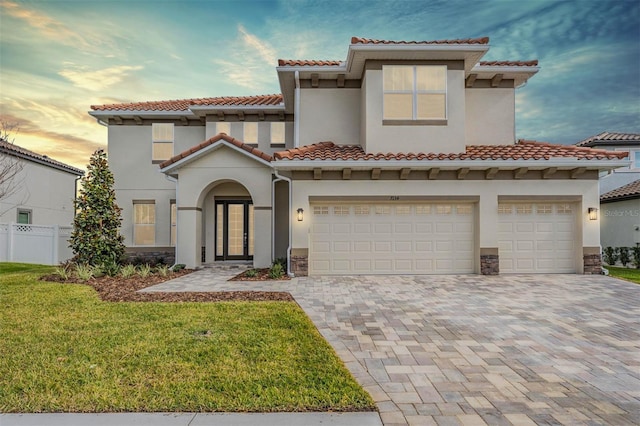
(144,222)
(174,222)
(24,216)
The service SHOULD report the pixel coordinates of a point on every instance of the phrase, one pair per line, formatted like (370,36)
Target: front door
(234,230)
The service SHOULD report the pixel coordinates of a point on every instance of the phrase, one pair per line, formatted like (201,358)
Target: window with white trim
(277,133)
(634,156)
(250,133)
(162,140)
(144,223)
(173,214)
(223,127)
(414,92)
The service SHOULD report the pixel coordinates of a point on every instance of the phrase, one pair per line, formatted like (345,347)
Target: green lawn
(64,350)
(632,275)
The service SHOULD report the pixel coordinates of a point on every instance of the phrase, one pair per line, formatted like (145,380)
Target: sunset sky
(59,57)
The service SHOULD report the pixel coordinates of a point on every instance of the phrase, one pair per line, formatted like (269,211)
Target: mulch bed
(118,289)
(262,275)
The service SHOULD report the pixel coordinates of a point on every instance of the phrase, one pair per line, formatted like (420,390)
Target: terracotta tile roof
(532,63)
(611,138)
(307,62)
(631,190)
(361,40)
(17,151)
(523,150)
(184,104)
(221,136)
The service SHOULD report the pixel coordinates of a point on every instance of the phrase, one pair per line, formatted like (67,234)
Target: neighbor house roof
(626,192)
(17,151)
(611,138)
(307,63)
(221,136)
(523,150)
(362,40)
(531,63)
(184,104)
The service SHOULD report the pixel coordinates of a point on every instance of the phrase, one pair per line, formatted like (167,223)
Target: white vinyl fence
(43,244)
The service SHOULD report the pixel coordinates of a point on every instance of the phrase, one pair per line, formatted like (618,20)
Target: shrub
(276,271)
(251,273)
(144,271)
(111,268)
(178,267)
(610,256)
(282,261)
(64,272)
(85,272)
(162,270)
(623,255)
(128,271)
(636,256)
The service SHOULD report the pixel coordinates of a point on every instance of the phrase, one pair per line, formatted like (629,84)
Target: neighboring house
(620,226)
(615,141)
(402,159)
(45,189)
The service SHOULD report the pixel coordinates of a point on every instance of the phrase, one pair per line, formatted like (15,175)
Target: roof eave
(131,113)
(61,167)
(450,164)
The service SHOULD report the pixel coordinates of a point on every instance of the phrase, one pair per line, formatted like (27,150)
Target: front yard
(627,274)
(64,350)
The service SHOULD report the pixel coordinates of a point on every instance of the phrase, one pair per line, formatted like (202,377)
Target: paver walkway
(473,350)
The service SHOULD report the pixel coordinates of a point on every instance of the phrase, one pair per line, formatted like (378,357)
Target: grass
(628,274)
(62,349)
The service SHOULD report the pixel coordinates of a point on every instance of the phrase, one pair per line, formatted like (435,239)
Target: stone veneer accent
(300,262)
(591,261)
(489,261)
(151,254)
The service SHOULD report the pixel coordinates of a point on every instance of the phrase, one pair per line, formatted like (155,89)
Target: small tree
(10,166)
(96,239)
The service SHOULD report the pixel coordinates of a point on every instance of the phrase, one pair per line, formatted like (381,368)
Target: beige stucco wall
(198,178)
(329,115)
(490,116)
(620,223)
(264,132)
(137,178)
(415,138)
(487,191)
(47,192)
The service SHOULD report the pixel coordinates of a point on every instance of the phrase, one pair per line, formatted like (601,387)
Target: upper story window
(223,127)
(162,138)
(415,92)
(634,157)
(277,133)
(250,133)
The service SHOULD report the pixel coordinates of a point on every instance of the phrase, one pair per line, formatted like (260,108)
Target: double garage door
(434,238)
(438,238)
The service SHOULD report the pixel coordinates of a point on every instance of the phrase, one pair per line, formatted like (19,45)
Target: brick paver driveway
(473,350)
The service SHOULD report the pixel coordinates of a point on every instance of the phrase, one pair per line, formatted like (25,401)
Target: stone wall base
(592,264)
(300,265)
(489,264)
(151,255)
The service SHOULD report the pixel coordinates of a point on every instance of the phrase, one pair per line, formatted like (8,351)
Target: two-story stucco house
(400,159)
(43,190)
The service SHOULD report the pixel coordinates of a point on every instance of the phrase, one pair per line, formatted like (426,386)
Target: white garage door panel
(537,237)
(390,239)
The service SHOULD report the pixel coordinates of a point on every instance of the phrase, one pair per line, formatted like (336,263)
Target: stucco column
(487,224)
(190,236)
(591,258)
(262,236)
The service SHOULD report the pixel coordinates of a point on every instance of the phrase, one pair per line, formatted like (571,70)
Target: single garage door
(537,237)
(434,238)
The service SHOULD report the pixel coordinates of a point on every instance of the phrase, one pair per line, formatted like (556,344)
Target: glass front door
(234,230)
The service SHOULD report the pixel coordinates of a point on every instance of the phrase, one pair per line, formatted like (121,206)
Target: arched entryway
(228,223)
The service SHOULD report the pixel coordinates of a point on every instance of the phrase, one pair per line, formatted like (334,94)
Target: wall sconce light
(300,214)
(593,213)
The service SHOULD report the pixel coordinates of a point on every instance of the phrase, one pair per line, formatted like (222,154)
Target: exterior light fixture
(593,213)
(300,214)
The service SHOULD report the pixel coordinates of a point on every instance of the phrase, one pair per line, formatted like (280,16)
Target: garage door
(537,237)
(391,239)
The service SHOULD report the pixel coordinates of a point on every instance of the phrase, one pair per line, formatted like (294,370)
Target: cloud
(49,27)
(250,63)
(98,79)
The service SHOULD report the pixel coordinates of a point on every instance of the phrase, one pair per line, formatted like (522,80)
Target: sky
(59,57)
